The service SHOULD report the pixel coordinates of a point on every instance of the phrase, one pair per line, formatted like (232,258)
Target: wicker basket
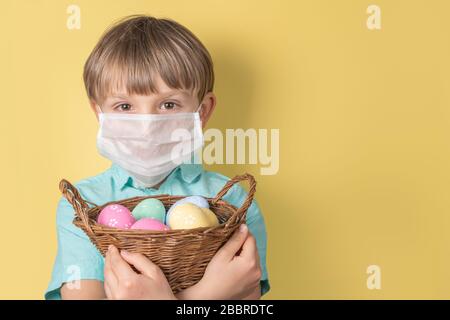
(181,254)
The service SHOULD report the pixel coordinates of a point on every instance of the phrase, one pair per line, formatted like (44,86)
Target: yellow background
(364,134)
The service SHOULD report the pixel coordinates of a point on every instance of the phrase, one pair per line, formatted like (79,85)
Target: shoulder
(97,186)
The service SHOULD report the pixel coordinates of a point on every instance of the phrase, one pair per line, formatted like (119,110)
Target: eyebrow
(174,93)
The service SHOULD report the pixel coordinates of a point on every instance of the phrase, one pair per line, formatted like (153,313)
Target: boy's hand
(233,275)
(121,282)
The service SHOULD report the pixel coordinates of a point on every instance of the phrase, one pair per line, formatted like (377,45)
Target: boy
(145,78)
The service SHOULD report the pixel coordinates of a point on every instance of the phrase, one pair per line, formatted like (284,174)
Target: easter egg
(213,221)
(188,216)
(149,224)
(199,201)
(116,216)
(150,208)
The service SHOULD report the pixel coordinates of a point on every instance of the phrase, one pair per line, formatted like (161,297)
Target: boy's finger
(249,248)
(109,275)
(120,267)
(232,246)
(141,263)
(107,290)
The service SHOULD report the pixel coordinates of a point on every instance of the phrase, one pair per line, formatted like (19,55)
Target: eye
(123,107)
(168,105)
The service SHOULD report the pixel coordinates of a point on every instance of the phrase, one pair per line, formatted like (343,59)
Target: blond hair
(136,48)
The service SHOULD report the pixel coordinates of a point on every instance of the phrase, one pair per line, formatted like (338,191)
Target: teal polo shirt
(78,258)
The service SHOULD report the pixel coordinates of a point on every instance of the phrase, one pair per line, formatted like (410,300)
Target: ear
(208,106)
(94,107)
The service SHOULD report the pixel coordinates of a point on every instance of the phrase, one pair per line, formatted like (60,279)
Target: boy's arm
(87,290)
(196,293)
(255,295)
(257,227)
(192,293)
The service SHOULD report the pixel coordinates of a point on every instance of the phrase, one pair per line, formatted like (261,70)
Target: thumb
(141,263)
(232,246)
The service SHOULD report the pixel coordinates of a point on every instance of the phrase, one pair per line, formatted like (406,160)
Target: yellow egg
(212,218)
(188,216)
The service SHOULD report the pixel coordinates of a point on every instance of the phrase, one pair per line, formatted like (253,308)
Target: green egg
(150,208)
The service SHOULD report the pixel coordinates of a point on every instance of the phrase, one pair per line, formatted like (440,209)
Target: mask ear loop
(196,157)
(99,109)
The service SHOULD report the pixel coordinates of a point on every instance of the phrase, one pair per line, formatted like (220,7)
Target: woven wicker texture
(181,254)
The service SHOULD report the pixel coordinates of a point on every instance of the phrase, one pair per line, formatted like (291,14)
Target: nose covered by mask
(149,146)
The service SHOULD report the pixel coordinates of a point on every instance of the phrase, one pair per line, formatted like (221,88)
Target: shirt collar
(188,173)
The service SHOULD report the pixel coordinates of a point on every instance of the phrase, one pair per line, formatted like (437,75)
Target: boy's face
(165,101)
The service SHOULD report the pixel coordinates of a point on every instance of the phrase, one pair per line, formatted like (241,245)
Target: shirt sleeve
(77,258)
(256,225)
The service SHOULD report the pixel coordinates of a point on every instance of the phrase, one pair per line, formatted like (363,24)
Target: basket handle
(248,200)
(78,203)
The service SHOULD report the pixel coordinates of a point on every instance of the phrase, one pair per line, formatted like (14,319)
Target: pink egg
(116,216)
(150,224)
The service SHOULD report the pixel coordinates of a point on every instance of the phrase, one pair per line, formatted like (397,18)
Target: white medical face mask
(149,146)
